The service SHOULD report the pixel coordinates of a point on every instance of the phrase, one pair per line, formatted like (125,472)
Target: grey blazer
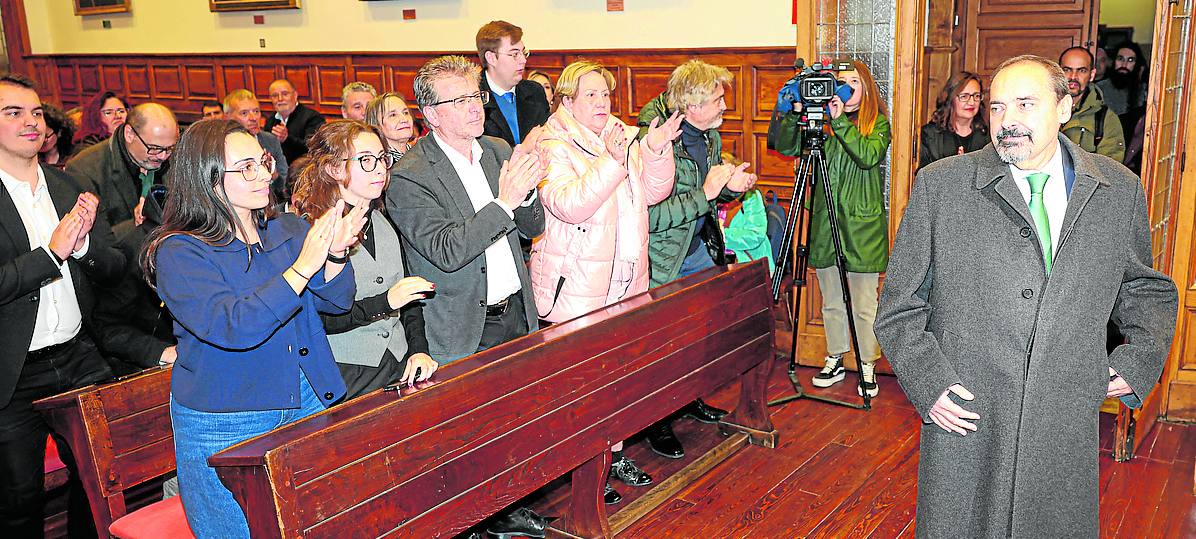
(446,241)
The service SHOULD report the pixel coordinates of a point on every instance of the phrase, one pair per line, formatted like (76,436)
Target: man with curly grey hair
(354,97)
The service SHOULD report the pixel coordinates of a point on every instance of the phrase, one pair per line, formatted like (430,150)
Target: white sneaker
(868,371)
(831,373)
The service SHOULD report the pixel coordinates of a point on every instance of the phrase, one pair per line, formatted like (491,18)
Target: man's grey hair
(1055,76)
(357,86)
(439,69)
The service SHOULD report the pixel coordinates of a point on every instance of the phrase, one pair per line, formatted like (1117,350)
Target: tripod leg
(798,218)
(841,262)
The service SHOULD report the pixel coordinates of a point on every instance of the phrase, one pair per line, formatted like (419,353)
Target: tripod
(811,170)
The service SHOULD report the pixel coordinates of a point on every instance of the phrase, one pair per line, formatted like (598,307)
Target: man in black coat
(134,329)
(52,242)
(516,105)
(291,122)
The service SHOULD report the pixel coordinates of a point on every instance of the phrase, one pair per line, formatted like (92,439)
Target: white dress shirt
(495,88)
(58,315)
(1054,194)
(502,277)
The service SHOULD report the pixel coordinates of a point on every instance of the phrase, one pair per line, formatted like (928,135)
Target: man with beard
(127,164)
(1124,89)
(1093,125)
(1007,265)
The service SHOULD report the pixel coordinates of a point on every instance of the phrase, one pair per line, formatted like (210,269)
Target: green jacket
(853,163)
(671,222)
(1081,128)
(747,234)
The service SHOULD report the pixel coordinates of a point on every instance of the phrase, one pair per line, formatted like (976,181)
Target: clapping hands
(71,233)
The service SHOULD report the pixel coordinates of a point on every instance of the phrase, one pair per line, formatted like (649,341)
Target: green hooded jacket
(853,163)
(671,222)
(1081,128)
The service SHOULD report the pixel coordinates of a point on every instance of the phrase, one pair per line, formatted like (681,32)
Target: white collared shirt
(58,315)
(1054,194)
(502,277)
(495,88)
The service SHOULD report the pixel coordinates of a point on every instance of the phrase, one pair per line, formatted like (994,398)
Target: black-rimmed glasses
(252,170)
(369,163)
(151,149)
(482,97)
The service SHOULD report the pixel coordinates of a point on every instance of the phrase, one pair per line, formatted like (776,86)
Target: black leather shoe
(663,442)
(520,522)
(626,471)
(703,412)
(610,496)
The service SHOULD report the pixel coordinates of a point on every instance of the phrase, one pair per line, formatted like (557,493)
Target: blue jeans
(211,509)
(696,262)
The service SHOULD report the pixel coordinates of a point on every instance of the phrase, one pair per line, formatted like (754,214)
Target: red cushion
(164,519)
(53,463)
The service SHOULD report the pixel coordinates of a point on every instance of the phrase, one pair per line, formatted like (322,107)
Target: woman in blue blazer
(245,287)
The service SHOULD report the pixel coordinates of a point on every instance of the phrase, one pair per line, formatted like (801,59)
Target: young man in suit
(516,105)
(460,201)
(291,122)
(52,242)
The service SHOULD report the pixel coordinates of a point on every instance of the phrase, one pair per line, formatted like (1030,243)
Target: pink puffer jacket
(594,250)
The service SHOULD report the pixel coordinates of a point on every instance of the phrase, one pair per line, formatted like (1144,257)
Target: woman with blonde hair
(599,184)
(380,340)
(855,148)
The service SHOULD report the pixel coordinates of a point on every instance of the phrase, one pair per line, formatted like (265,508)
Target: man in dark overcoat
(1007,266)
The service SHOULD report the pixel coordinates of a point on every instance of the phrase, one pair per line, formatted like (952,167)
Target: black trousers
(23,441)
(508,326)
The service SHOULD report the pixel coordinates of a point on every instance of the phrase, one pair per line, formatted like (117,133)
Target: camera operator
(857,137)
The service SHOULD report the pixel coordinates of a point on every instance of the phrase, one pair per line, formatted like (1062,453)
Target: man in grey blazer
(1008,263)
(460,201)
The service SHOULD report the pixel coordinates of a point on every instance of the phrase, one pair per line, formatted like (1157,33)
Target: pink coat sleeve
(657,172)
(577,185)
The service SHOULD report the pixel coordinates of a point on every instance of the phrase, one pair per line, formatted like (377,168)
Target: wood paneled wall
(184,81)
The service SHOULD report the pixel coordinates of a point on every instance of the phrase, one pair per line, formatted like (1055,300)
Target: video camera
(814,87)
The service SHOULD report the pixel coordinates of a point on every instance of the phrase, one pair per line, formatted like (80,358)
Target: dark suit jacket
(23,271)
(445,240)
(531,109)
(301,124)
(107,168)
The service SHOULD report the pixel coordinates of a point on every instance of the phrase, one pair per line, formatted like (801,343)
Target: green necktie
(1038,211)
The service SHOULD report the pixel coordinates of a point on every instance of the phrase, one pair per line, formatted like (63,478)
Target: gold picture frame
(251,5)
(99,7)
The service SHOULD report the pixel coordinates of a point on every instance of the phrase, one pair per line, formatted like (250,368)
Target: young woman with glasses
(958,124)
(380,340)
(245,287)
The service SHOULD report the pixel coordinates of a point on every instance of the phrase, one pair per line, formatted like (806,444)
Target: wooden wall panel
(374,75)
(235,77)
(139,84)
(89,80)
(167,82)
(113,78)
(68,79)
(201,83)
(301,77)
(645,84)
(766,81)
(331,80)
(261,78)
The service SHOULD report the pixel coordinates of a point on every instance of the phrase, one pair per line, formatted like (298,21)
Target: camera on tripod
(814,87)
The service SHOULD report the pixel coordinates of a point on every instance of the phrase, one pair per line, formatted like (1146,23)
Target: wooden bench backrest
(120,434)
(503,422)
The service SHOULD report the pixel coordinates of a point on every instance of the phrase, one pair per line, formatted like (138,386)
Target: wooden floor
(839,472)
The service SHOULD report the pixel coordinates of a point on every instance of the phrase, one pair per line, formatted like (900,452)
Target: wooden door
(1171,188)
(995,30)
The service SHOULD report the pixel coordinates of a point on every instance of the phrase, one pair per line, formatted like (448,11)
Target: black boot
(610,496)
(704,412)
(520,522)
(663,442)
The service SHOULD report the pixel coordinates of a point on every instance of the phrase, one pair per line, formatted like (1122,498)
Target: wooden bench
(121,437)
(504,422)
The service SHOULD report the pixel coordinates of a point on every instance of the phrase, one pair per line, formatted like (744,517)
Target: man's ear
(431,116)
(1064,109)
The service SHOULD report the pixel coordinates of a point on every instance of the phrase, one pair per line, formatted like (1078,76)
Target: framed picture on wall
(96,7)
(251,5)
